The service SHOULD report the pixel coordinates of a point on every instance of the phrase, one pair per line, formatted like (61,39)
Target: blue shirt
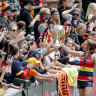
(4,21)
(17,69)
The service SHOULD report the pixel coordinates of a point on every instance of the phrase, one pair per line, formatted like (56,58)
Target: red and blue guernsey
(86,68)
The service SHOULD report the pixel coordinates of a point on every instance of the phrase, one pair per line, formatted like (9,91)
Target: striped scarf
(47,32)
(4,16)
(62,83)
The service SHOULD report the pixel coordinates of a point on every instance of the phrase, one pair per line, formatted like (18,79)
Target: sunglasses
(14,30)
(76,14)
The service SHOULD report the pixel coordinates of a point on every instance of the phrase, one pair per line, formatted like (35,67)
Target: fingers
(9,60)
(5,86)
(22,85)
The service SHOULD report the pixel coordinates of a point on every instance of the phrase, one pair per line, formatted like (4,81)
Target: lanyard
(84,60)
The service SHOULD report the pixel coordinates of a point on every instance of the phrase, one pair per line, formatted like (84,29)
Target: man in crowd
(40,25)
(26,17)
(6,11)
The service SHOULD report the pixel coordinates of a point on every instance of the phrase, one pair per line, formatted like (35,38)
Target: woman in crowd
(69,9)
(91,10)
(80,31)
(17,32)
(79,2)
(17,69)
(55,19)
(87,62)
(44,49)
(76,17)
(69,43)
(64,57)
(93,35)
(69,29)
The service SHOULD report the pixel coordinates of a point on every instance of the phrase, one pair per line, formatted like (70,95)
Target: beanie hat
(86,36)
(53,10)
(5,7)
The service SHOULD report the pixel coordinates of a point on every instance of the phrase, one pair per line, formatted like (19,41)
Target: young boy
(33,74)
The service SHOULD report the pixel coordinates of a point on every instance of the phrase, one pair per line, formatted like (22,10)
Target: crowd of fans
(26,43)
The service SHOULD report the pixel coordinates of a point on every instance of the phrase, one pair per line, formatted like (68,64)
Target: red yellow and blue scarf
(4,16)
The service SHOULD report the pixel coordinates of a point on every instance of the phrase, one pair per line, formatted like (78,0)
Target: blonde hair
(79,27)
(68,39)
(57,22)
(91,44)
(43,12)
(93,33)
(91,9)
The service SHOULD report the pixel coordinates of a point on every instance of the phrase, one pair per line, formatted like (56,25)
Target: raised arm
(34,20)
(72,52)
(77,46)
(3,70)
(45,77)
(68,11)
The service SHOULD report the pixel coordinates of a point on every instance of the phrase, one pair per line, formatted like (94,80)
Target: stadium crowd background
(26,43)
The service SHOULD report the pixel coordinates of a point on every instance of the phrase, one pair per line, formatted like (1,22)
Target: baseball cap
(33,60)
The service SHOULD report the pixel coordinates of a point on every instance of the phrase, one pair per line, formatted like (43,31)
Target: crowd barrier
(45,88)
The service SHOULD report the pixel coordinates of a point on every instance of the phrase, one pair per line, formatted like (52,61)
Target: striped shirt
(86,70)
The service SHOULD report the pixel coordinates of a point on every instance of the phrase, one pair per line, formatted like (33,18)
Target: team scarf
(47,32)
(62,83)
(4,16)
